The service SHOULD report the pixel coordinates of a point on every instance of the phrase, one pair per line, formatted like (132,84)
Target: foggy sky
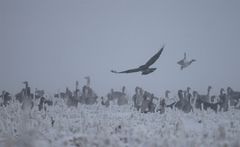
(53,43)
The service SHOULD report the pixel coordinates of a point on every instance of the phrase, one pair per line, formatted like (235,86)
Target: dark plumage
(145,69)
(171,105)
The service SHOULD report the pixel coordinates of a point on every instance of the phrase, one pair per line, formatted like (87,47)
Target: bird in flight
(145,69)
(184,62)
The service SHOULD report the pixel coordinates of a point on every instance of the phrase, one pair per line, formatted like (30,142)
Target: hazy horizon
(52,44)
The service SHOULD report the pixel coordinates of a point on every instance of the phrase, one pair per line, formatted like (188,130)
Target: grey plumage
(184,62)
(120,96)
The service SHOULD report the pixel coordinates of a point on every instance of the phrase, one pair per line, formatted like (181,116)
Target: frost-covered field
(98,126)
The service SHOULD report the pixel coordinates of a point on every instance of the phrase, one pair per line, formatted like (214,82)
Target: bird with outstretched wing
(184,62)
(145,69)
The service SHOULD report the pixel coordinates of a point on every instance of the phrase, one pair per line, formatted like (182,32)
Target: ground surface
(97,126)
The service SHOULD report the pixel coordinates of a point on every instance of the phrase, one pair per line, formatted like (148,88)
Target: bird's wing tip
(163,46)
(114,71)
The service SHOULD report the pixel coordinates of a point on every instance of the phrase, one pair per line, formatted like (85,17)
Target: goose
(77,91)
(183,104)
(223,100)
(234,96)
(25,96)
(145,69)
(105,103)
(43,102)
(6,98)
(116,94)
(187,95)
(162,106)
(27,90)
(39,93)
(147,104)
(167,94)
(138,98)
(201,98)
(201,102)
(198,101)
(70,99)
(88,96)
(123,99)
(120,96)
(179,103)
(206,98)
(169,102)
(184,62)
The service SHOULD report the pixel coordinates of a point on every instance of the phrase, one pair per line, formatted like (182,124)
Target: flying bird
(184,62)
(145,69)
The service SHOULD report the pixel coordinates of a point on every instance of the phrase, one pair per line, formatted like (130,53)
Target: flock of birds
(142,100)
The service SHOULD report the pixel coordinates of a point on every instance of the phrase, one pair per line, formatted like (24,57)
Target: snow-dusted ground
(98,126)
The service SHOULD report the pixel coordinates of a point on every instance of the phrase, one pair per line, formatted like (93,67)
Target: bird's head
(188,89)
(229,90)
(195,93)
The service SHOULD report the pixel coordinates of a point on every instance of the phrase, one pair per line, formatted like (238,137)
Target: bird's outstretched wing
(145,66)
(153,58)
(128,71)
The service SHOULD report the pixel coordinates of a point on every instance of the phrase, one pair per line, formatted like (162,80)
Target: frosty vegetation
(80,118)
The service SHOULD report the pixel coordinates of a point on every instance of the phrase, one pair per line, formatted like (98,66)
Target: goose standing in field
(6,98)
(69,98)
(234,96)
(167,94)
(184,62)
(194,101)
(122,100)
(77,93)
(27,97)
(39,93)
(105,103)
(206,98)
(169,102)
(179,103)
(198,101)
(201,98)
(24,93)
(202,101)
(111,96)
(188,95)
(147,104)
(162,106)
(120,96)
(183,104)
(223,101)
(88,95)
(43,103)
(138,98)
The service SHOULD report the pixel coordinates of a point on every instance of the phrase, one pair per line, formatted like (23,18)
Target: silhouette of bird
(184,62)
(145,69)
